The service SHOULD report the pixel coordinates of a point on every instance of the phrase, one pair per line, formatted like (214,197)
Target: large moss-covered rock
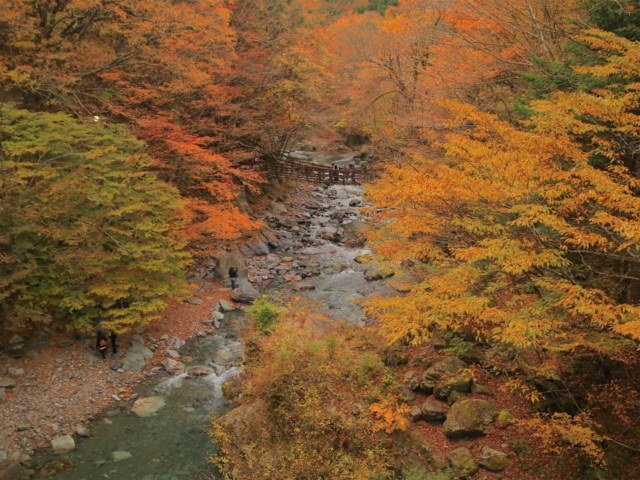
(469,418)
(434,375)
(493,460)
(462,463)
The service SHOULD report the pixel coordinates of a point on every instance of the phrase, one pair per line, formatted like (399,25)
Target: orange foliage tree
(527,235)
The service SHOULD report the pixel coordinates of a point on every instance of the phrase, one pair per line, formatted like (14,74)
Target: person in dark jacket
(233,276)
(113,336)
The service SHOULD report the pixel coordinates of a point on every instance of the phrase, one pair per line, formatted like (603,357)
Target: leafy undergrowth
(317,400)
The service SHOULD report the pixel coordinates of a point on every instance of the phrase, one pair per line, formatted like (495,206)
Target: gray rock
(196,301)
(119,456)
(433,375)
(469,418)
(32,354)
(67,342)
(3,456)
(135,347)
(136,339)
(378,272)
(164,338)
(218,316)
(133,362)
(259,246)
(416,413)
(63,444)
(493,460)
(16,339)
(172,353)
(3,395)
(15,371)
(462,463)
(6,382)
(433,412)
(117,364)
(83,431)
(173,367)
(245,293)
(226,306)
(90,357)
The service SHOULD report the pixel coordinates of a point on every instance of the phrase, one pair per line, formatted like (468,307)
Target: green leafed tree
(87,232)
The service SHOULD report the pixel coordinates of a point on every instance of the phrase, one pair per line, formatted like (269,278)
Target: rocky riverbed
(312,247)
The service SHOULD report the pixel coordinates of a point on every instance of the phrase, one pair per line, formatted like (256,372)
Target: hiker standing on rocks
(101,344)
(113,336)
(233,276)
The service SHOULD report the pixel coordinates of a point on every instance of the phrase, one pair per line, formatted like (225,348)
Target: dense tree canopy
(85,231)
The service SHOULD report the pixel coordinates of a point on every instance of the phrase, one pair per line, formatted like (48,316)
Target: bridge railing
(306,171)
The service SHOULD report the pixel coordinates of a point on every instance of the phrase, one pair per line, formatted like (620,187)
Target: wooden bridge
(287,168)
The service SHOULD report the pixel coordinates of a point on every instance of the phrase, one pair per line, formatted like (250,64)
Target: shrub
(264,315)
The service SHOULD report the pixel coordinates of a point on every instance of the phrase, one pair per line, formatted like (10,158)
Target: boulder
(433,412)
(493,460)
(83,431)
(462,463)
(6,382)
(460,382)
(416,413)
(259,247)
(172,353)
(379,272)
(173,366)
(15,371)
(136,339)
(226,306)
(63,444)
(218,316)
(469,418)
(145,407)
(433,375)
(67,342)
(135,347)
(245,293)
(133,362)
(224,262)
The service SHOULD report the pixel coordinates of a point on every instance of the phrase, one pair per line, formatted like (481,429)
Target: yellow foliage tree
(523,233)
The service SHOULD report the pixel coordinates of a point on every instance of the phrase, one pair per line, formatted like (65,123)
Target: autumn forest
(505,137)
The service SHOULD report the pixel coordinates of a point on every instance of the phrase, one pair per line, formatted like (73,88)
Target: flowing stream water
(173,443)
